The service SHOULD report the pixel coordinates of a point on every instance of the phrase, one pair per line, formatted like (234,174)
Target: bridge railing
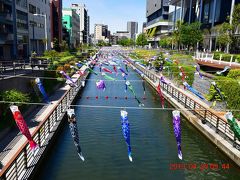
(23,162)
(207,115)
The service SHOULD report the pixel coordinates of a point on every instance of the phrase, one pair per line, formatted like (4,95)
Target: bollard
(231,60)
(220,59)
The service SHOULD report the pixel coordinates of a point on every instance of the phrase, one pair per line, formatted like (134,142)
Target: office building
(39,35)
(122,34)
(208,12)
(84,21)
(101,32)
(157,19)
(7,30)
(22,32)
(132,28)
(71,21)
(144,30)
(56,21)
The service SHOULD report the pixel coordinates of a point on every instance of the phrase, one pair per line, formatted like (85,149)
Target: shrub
(15,96)
(175,72)
(234,73)
(66,67)
(230,87)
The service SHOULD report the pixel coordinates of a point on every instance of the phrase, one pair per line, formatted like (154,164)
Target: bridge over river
(154,148)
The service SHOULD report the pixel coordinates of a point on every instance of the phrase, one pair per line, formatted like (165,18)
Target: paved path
(15,139)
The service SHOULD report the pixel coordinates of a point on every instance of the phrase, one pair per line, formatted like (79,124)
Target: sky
(114,13)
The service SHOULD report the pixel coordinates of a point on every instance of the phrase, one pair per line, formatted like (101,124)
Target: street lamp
(45,18)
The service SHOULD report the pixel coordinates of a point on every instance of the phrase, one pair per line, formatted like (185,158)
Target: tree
(176,34)
(235,25)
(165,42)
(191,34)
(56,46)
(141,40)
(126,42)
(224,36)
(64,46)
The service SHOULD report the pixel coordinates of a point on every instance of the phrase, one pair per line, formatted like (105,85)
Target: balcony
(9,2)
(6,39)
(158,20)
(6,15)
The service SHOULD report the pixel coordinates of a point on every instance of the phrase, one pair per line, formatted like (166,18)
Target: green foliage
(176,34)
(66,59)
(174,71)
(64,46)
(234,73)
(224,36)
(159,60)
(191,34)
(56,45)
(213,94)
(236,17)
(126,42)
(166,42)
(52,54)
(141,40)
(230,87)
(15,96)
(102,43)
(226,57)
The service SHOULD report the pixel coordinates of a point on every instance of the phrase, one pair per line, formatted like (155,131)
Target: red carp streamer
(160,94)
(23,126)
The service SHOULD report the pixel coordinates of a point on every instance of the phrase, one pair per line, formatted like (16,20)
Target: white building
(84,21)
(101,32)
(122,34)
(39,35)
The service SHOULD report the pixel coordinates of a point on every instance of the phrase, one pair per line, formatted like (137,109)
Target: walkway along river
(154,148)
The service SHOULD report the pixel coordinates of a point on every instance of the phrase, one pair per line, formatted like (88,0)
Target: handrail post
(217,124)
(25,157)
(204,120)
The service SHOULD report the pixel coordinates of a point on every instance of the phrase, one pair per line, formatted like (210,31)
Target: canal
(153,143)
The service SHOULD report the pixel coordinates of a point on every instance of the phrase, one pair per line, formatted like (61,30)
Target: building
(39,35)
(22,29)
(7,30)
(157,19)
(208,12)
(84,21)
(71,21)
(122,34)
(144,30)
(101,32)
(56,21)
(113,40)
(132,28)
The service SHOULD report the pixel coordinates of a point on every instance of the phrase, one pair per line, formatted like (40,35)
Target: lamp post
(45,19)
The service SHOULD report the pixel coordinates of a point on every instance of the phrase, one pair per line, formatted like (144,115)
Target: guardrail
(207,115)
(23,162)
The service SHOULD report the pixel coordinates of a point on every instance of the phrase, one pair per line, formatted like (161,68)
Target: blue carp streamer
(126,132)
(74,131)
(42,90)
(194,91)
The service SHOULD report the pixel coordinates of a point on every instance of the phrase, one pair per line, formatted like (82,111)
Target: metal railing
(23,162)
(203,112)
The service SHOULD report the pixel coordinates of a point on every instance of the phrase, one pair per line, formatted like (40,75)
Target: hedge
(234,73)
(226,57)
(231,88)
(175,71)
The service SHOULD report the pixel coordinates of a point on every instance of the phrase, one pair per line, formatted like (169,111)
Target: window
(32,9)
